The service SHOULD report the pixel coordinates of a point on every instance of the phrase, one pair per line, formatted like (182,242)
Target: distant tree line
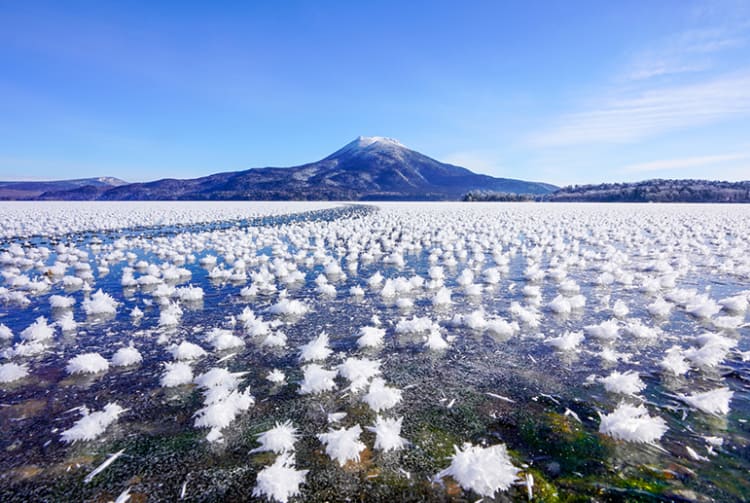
(488,195)
(658,191)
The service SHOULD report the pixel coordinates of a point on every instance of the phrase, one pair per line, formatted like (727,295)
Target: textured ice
(92,424)
(186,351)
(370,337)
(87,363)
(380,396)
(343,444)
(484,470)
(276,376)
(10,372)
(444,318)
(628,383)
(5,332)
(674,361)
(222,339)
(279,439)
(279,481)
(100,303)
(359,372)
(38,331)
(126,356)
(715,401)
(388,433)
(568,341)
(316,349)
(317,379)
(633,424)
(176,374)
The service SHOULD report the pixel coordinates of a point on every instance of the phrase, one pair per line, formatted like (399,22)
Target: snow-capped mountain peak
(111,180)
(369,144)
(366,141)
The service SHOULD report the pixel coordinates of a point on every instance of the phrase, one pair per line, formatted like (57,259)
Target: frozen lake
(471,350)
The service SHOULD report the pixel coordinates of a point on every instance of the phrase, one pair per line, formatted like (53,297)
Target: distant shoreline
(648,191)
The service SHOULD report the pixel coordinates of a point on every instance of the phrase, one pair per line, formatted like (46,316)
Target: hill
(33,189)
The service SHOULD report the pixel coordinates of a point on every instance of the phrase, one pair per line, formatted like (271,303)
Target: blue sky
(563,92)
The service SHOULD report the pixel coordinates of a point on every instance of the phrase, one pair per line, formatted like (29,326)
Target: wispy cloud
(683,163)
(658,67)
(689,51)
(672,84)
(650,112)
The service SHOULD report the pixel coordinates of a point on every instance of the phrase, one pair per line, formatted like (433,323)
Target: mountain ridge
(31,189)
(368,168)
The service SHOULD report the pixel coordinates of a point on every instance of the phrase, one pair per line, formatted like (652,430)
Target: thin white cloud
(652,112)
(683,163)
(689,51)
(655,95)
(661,67)
(709,40)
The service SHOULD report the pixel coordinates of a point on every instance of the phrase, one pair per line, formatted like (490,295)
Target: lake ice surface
(470,350)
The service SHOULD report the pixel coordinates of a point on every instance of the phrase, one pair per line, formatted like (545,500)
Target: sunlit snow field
(388,351)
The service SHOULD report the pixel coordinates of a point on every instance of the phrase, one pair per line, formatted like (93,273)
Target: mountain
(369,168)
(32,189)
